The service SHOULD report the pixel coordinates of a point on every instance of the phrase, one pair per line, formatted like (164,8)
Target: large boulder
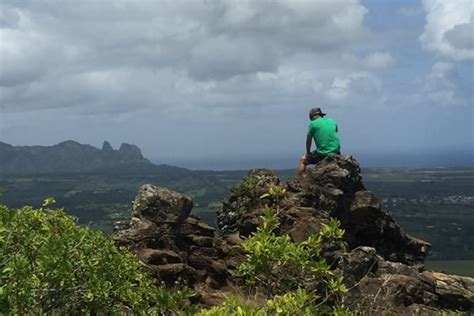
(330,186)
(175,246)
(368,223)
(411,292)
(452,291)
(161,205)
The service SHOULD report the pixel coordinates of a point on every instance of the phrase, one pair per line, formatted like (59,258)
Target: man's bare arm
(309,140)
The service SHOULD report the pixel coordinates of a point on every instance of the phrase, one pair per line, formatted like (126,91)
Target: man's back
(324,132)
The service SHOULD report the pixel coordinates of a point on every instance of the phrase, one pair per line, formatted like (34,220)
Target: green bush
(49,264)
(234,306)
(275,195)
(299,303)
(248,190)
(291,302)
(277,265)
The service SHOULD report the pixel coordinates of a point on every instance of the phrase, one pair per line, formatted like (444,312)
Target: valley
(434,204)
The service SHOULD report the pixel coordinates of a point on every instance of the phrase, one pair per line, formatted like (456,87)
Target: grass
(459,267)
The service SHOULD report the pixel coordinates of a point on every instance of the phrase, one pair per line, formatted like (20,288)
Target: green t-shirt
(324,132)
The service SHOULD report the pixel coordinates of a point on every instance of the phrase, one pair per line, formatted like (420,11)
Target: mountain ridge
(72,157)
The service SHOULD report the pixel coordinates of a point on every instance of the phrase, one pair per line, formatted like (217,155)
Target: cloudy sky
(229,83)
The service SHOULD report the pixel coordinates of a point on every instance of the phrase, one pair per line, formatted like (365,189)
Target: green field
(459,267)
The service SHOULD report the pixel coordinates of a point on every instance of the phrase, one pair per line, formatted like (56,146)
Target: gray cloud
(461,36)
(449,28)
(222,58)
(9,18)
(122,55)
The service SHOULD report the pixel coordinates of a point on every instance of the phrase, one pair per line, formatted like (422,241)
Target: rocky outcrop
(161,205)
(394,288)
(382,265)
(239,211)
(178,247)
(333,189)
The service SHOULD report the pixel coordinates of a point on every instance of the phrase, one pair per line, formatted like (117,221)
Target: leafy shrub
(248,189)
(234,306)
(275,195)
(299,303)
(279,265)
(291,302)
(49,264)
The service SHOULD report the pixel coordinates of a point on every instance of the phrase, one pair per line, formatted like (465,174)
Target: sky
(228,84)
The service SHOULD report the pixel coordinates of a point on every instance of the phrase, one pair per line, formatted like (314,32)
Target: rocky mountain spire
(106,147)
(130,152)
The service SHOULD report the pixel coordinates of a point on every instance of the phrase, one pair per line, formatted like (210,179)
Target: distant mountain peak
(130,151)
(70,156)
(2,144)
(69,143)
(107,147)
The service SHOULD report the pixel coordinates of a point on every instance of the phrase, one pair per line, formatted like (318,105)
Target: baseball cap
(316,111)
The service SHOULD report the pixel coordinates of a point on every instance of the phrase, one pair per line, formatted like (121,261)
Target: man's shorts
(313,157)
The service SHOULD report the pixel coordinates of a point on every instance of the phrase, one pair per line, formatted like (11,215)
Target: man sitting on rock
(324,132)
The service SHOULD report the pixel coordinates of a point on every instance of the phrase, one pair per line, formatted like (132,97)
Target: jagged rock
(161,205)
(393,293)
(135,231)
(212,296)
(263,178)
(106,147)
(158,256)
(382,266)
(202,241)
(173,245)
(453,291)
(172,272)
(235,212)
(216,268)
(386,293)
(389,267)
(130,152)
(301,222)
(192,225)
(368,223)
(357,264)
(330,186)
(333,188)
(235,239)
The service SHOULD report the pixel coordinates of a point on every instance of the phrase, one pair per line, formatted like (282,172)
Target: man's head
(315,113)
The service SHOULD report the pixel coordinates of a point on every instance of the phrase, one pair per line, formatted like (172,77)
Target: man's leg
(312,159)
(302,165)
